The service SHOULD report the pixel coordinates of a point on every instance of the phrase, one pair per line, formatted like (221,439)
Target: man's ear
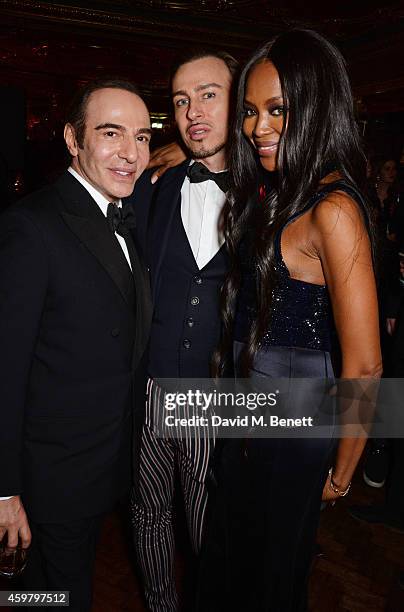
(70,140)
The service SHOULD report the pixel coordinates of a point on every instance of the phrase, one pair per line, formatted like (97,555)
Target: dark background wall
(47,50)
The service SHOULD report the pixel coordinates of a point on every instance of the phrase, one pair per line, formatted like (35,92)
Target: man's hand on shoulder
(14,522)
(164,158)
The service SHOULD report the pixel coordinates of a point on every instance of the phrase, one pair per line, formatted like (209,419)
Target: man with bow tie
(179,233)
(75,316)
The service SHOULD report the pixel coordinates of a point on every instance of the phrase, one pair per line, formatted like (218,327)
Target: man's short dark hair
(191,55)
(76,114)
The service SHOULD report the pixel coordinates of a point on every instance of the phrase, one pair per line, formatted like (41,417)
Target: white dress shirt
(201,207)
(103,204)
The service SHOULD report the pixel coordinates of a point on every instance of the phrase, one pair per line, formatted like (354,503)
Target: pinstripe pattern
(152,509)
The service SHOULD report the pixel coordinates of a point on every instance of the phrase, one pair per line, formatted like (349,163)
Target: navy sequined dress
(262,537)
(301,314)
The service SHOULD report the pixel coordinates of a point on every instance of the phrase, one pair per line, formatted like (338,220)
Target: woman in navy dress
(302,276)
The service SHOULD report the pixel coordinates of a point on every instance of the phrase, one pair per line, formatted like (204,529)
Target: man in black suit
(179,231)
(75,314)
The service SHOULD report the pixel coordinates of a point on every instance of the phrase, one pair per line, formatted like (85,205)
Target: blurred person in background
(388,215)
(391,513)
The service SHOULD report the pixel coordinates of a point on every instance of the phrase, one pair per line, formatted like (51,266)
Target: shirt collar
(96,195)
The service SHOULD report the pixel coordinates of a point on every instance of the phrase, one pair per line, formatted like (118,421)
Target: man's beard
(204,153)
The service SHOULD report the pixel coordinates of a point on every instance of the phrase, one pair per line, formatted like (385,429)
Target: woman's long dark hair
(321,133)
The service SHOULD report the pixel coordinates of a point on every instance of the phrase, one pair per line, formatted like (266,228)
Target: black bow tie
(197,173)
(120,219)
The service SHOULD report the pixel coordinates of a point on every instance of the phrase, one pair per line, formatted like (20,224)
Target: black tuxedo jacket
(73,327)
(155,206)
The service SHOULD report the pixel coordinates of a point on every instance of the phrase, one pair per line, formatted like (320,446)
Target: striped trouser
(152,507)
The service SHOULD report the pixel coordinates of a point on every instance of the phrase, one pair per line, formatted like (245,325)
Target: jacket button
(195,301)
(190,322)
(115,332)
(186,344)
(197,280)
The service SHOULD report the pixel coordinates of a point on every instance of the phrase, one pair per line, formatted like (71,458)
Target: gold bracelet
(336,489)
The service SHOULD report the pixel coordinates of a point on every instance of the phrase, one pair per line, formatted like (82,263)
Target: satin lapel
(84,218)
(162,211)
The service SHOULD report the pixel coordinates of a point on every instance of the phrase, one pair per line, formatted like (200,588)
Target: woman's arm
(343,246)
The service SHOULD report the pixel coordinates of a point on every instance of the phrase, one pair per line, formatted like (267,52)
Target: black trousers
(61,558)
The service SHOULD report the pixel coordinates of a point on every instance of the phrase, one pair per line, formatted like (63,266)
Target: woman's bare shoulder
(338,213)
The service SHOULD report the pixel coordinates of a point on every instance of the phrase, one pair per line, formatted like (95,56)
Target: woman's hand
(164,158)
(329,495)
